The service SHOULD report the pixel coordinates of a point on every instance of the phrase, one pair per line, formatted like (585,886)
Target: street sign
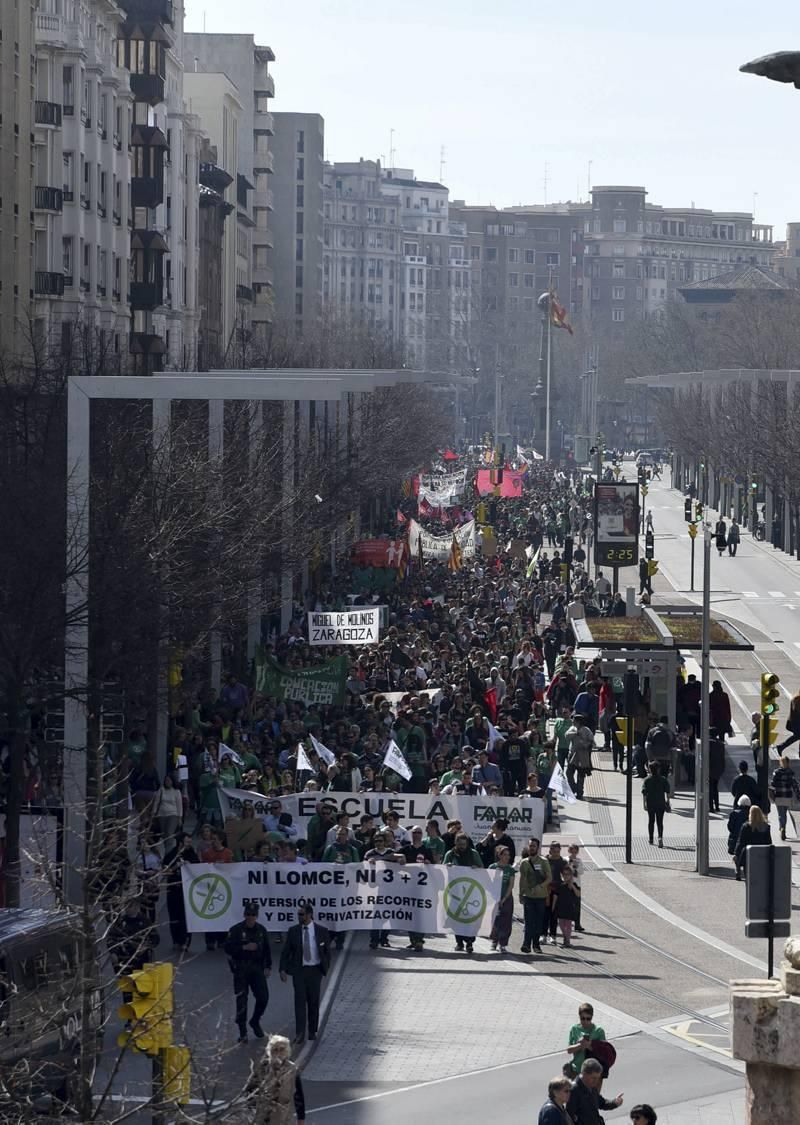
(769,894)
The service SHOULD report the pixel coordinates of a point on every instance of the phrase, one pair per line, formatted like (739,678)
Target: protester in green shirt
(581,1035)
(434,842)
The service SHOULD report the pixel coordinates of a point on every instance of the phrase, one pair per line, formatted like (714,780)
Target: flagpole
(549,355)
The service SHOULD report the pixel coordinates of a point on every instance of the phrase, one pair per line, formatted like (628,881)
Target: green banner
(324,683)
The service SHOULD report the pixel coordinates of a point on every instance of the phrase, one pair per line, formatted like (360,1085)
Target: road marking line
(749,594)
(748,688)
(776,594)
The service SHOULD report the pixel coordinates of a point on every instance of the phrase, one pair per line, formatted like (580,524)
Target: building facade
(298,146)
(246,64)
(787,256)
(17,103)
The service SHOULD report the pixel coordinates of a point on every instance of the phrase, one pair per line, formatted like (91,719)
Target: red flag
(558,314)
(490,699)
(449,455)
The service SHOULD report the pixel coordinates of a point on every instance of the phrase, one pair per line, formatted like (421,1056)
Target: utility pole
(702,773)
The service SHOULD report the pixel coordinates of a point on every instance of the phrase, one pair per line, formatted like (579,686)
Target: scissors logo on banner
(210,896)
(464,901)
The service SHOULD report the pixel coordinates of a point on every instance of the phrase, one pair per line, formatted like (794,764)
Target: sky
(524,94)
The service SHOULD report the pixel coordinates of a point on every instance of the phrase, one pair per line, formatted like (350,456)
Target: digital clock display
(608,554)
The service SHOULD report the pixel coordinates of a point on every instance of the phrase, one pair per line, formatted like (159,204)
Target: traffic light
(622,729)
(687,509)
(699,511)
(769,730)
(149,1009)
(769,693)
(652,567)
(177,1074)
(649,545)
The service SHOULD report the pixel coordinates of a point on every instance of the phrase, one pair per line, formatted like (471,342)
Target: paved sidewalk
(722,1109)
(440,1014)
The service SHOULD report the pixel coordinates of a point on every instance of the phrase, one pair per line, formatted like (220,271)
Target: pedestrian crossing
(750,594)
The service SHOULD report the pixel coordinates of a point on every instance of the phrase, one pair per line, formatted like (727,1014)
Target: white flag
(303,762)
(223,750)
(394,759)
(327,756)
(560,786)
(494,734)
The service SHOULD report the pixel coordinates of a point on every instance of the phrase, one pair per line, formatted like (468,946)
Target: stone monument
(766,1033)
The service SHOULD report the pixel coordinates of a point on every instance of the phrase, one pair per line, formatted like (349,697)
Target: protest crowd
(473,690)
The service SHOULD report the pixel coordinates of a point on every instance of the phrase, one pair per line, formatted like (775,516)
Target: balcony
(263,275)
(214,177)
(145,295)
(147,191)
(50,31)
(263,200)
(48,199)
(149,11)
(263,123)
(263,161)
(48,284)
(262,237)
(116,218)
(147,88)
(244,293)
(264,83)
(47,113)
(146,343)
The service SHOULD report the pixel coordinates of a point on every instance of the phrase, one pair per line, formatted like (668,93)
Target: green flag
(324,683)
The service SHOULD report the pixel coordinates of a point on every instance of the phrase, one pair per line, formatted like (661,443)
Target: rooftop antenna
(391,149)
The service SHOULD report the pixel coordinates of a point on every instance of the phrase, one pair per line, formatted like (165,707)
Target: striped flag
(454,561)
(558,314)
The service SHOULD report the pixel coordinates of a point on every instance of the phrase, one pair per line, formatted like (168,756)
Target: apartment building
(638,254)
(215,100)
(83,114)
(362,244)
(246,64)
(214,210)
(298,146)
(17,74)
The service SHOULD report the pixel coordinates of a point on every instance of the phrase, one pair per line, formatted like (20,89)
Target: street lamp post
(701,800)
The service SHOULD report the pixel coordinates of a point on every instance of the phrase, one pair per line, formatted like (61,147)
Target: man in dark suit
(306,957)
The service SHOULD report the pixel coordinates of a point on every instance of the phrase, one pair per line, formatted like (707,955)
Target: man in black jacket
(306,958)
(586,1101)
(250,959)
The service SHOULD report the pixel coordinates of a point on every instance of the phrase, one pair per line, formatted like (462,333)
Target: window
(513,280)
(528,280)
(619,251)
(617,315)
(529,257)
(618,293)
(491,253)
(298,277)
(475,253)
(102,115)
(618,269)
(299,196)
(514,303)
(298,223)
(298,304)
(67,248)
(553,259)
(68,83)
(301,141)
(301,168)
(69,176)
(101,190)
(529,304)
(513,254)
(619,226)
(298,250)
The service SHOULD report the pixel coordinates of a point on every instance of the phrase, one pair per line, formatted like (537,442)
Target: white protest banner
(419,898)
(438,546)
(323,752)
(358,626)
(444,497)
(525,815)
(394,760)
(302,759)
(560,786)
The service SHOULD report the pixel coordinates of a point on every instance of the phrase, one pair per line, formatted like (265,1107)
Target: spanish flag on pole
(454,561)
(558,314)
